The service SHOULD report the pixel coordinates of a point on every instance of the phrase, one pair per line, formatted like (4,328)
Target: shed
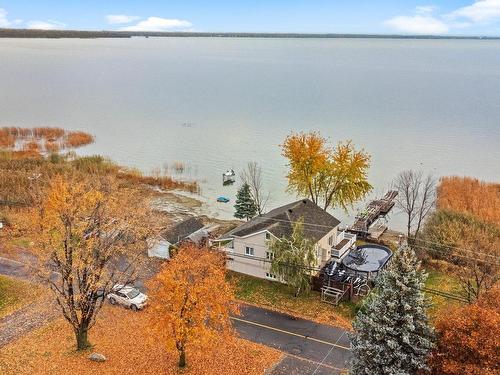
(187,230)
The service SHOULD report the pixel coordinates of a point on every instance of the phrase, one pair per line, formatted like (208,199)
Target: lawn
(277,296)
(444,281)
(15,293)
(130,347)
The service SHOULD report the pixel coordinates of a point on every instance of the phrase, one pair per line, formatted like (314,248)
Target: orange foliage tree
(469,195)
(469,338)
(192,301)
(92,234)
(329,176)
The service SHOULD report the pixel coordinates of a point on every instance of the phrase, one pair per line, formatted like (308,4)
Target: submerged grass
(42,139)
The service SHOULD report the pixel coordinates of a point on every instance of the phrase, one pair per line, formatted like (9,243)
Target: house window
(269,255)
(270,276)
(330,240)
(268,236)
(249,251)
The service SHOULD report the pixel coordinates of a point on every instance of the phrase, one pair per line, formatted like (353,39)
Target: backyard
(277,296)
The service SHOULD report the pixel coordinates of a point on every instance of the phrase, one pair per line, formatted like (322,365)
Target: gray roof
(279,222)
(182,230)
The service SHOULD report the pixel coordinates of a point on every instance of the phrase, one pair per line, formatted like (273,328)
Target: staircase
(332,295)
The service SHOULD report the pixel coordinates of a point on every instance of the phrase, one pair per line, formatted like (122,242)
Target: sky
(436,17)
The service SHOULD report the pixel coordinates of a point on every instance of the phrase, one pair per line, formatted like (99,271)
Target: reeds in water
(47,139)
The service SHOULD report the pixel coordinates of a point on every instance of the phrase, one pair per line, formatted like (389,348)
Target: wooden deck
(374,210)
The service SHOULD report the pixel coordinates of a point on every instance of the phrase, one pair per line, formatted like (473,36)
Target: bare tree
(91,233)
(252,175)
(416,198)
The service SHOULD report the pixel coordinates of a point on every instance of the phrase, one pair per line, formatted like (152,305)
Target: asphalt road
(310,348)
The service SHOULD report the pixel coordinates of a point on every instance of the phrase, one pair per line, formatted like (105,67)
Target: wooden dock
(374,210)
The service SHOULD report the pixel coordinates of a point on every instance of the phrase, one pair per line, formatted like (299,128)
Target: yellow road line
(290,333)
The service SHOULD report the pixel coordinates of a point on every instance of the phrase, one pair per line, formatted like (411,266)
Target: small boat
(222,199)
(228,177)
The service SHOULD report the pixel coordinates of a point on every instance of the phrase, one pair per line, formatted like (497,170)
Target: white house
(247,245)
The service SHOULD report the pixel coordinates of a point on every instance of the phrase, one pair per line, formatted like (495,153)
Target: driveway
(29,317)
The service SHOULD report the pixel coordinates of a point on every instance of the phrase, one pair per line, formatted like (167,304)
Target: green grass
(15,294)
(445,282)
(278,296)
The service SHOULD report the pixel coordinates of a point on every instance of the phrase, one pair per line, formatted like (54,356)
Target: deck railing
(339,252)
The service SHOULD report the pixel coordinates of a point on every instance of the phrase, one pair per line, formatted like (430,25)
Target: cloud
(480,11)
(158,24)
(120,18)
(423,21)
(425,9)
(418,24)
(5,22)
(45,25)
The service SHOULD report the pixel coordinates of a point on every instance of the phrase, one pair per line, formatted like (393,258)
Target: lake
(218,103)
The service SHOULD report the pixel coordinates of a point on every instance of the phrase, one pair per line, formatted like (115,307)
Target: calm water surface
(219,103)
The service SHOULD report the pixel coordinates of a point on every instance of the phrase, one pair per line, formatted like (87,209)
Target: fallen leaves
(124,338)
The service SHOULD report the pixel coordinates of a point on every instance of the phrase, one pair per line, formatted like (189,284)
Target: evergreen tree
(245,206)
(392,334)
(293,257)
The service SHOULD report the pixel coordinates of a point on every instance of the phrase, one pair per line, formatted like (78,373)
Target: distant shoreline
(82,34)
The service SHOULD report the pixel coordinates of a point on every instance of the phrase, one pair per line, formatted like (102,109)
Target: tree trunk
(82,341)
(182,358)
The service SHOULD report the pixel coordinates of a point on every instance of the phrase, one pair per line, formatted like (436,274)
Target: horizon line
(11,32)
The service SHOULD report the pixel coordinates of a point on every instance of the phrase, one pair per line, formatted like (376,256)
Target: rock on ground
(97,357)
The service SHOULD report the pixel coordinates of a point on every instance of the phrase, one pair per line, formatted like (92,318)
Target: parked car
(127,296)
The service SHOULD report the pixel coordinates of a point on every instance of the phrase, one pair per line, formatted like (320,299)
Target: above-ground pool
(367,259)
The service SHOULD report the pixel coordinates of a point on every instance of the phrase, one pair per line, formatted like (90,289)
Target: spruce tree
(392,333)
(245,206)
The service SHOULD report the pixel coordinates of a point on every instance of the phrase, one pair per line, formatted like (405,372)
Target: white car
(127,296)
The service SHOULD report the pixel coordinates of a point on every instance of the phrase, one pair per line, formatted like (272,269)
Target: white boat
(228,177)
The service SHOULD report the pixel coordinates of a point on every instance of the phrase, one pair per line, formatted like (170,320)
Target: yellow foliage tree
(91,234)
(331,176)
(192,301)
